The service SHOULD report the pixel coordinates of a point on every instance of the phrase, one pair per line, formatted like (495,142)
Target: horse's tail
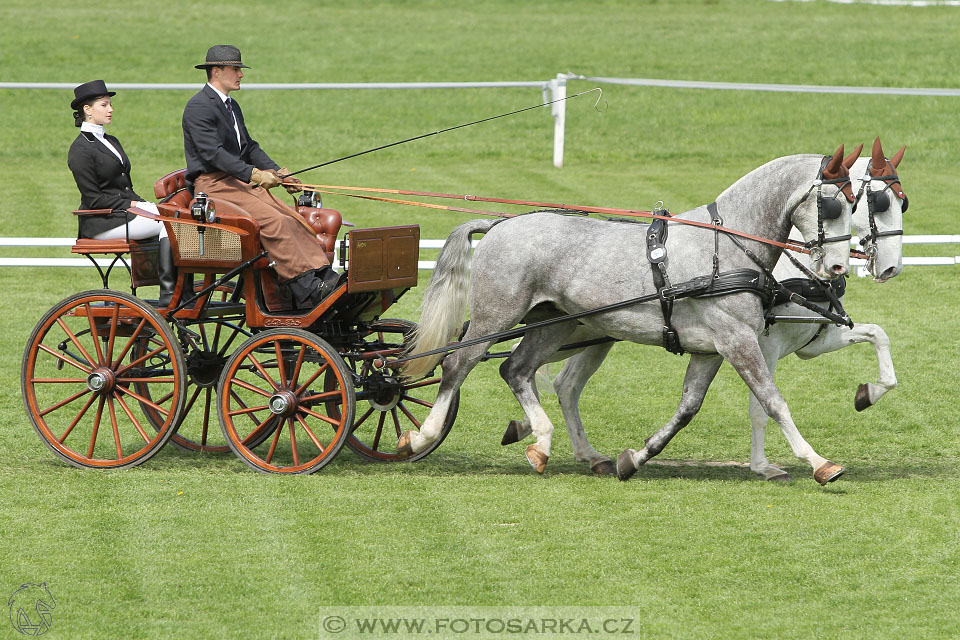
(445,300)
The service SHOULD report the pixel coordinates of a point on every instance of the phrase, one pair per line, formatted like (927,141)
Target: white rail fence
(552,90)
(428,244)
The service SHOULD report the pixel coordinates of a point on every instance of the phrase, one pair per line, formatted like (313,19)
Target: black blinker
(904,204)
(878,201)
(831,208)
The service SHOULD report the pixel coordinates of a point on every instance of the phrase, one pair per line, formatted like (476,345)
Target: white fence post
(558,91)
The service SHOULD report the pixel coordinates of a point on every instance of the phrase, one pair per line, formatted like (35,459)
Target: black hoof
(780,477)
(512,434)
(862,399)
(625,466)
(604,468)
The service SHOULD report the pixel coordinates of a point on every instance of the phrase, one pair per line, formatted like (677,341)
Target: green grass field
(200,546)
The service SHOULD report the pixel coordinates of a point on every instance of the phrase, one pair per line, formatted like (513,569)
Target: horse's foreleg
(700,373)
(834,338)
(747,360)
(519,370)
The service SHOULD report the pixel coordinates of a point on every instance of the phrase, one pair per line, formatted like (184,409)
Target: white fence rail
(553,89)
(425,243)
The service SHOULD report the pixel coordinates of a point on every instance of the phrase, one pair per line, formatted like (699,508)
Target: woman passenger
(102,173)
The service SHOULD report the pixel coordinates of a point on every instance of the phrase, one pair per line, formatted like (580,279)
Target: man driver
(224,162)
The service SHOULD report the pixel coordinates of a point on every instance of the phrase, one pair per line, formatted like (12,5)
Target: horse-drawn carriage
(109,378)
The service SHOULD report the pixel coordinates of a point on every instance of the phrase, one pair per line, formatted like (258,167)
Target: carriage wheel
(275,378)
(205,359)
(388,406)
(84,369)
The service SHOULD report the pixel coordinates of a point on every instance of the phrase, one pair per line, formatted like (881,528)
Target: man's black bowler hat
(92,89)
(222,55)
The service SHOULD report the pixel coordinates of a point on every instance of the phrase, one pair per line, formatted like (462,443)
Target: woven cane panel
(217,244)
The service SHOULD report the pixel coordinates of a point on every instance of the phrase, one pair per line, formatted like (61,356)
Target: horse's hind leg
(700,373)
(835,338)
(456,366)
(519,370)
(569,385)
(758,421)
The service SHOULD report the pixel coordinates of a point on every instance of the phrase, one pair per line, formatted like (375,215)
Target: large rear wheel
(272,412)
(91,364)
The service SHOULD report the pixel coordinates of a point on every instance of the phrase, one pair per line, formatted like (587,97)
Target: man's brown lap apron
(282,232)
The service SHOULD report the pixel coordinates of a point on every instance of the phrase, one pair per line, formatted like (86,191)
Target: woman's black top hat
(92,89)
(222,55)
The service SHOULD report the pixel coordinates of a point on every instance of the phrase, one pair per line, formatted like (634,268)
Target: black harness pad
(811,290)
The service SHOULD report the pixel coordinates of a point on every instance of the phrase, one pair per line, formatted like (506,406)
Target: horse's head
(878,212)
(824,220)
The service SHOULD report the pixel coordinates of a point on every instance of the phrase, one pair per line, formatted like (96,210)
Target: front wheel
(272,413)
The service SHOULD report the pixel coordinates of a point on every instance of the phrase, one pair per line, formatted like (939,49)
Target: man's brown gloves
(291,188)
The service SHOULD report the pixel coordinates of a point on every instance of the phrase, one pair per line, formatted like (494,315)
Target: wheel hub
(283,403)
(101,381)
(385,392)
(204,368)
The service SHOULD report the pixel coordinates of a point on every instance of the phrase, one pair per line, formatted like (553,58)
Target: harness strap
(657,256)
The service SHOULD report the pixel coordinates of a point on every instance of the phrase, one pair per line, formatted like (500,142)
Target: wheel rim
(270,410)
(84,368)
(387,406)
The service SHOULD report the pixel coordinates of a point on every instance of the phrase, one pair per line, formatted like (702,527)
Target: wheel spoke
(93,332)
(376,439)
(321,396)
(313,376)
(409,415)
(320,417)
(141,359)
(261,427)
(77,419)
(133,338)
(296,369)
(96,428)
(280,367)
(74,340)
(249,387)
(422,403)
(244,410)
(143,400)
(235,396)
(396,422)
(116,427)
(293,443)
(422,383)
(136,423)
(311,434)
(363,418)
(64,358)
(114,320)
(273,445)
(64,402)
(263,372)
(206,417)
(189,405)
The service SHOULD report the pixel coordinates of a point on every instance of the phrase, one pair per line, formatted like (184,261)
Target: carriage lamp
(203,210)
(309,198)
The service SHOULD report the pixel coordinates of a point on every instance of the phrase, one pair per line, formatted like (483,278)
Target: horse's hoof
(512,434)
(828,472)
(604,468)
(537,458)
(782,476)
(404,446)
(625,466)
(862,399)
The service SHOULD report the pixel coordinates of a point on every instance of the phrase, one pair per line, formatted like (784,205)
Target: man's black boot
(167,273)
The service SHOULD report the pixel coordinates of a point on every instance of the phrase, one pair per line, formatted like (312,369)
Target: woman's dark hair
(79,116)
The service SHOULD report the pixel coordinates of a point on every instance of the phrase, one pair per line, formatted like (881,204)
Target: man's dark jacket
(210,142)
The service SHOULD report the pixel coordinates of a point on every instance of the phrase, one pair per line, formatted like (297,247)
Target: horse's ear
(878,159)
(897,157)
(833,167)
(850,159)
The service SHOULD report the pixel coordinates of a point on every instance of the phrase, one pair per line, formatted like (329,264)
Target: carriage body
(108,379)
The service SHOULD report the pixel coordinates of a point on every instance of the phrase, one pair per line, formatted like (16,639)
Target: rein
(791,245)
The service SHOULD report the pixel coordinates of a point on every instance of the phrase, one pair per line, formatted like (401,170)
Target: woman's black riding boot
(167,273)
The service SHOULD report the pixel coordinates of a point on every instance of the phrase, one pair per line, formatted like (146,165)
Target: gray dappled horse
(882,241)
(565,265)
